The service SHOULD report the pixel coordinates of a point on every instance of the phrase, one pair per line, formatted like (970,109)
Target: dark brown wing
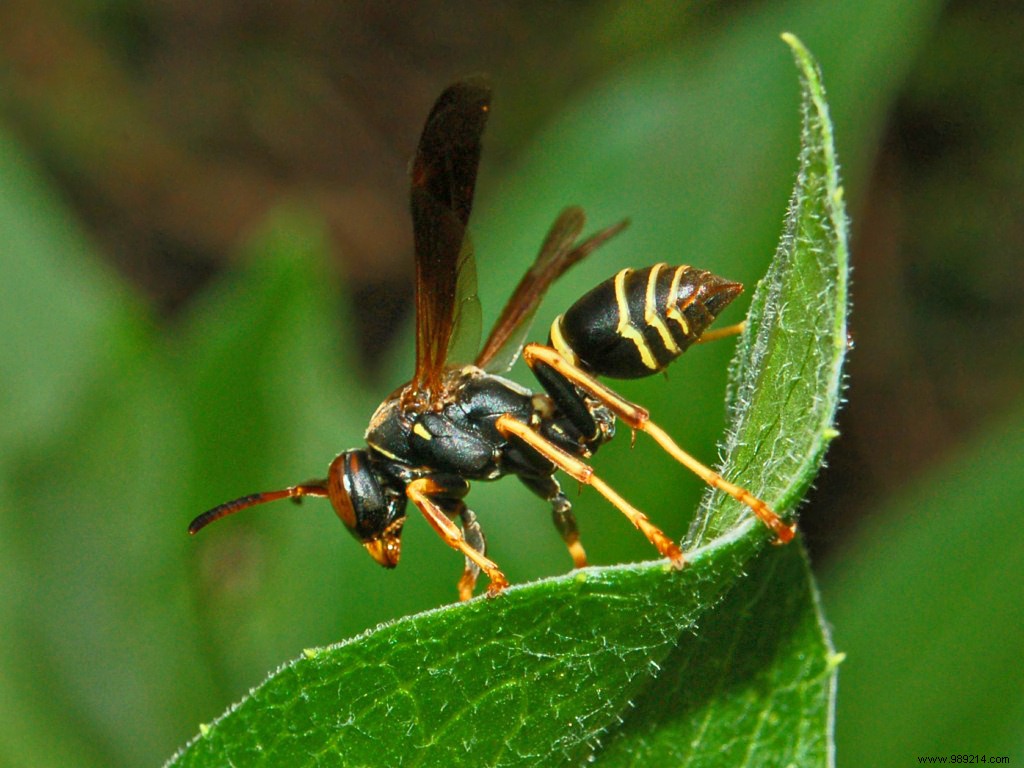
(443,180)
(558,252)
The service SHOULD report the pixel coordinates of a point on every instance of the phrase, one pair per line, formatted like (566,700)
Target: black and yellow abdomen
(639,321)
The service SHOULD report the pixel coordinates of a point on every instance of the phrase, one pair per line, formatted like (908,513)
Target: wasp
(458,420)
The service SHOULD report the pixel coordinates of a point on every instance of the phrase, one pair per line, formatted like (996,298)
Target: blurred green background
(205,289)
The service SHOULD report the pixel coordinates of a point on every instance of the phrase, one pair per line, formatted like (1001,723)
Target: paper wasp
(455,422)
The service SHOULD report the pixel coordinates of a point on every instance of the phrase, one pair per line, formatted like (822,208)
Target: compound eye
(338,487)
(358,499)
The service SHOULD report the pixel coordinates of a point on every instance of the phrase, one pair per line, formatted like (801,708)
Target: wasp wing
(465,338)
(441,197)
(558,252)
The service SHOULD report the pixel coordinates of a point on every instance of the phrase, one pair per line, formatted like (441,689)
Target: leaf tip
(800,52)
(793,42)
(833,660)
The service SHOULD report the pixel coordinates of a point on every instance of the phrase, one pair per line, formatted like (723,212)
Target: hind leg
(554,366)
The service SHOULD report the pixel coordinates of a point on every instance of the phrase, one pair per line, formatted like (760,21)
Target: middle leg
(561,513)
(584,473)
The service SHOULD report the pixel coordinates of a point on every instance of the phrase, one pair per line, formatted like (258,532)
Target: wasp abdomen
(639,321)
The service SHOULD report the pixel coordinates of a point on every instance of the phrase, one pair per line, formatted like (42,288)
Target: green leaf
(542,675)
(786,376)
(752,687)
(52,284)
(74,341)
(620,665)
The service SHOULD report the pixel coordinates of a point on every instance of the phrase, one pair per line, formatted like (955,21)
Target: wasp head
(368,503)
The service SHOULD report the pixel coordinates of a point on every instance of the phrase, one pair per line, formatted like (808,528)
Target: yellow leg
(638,418)
(584,473)
(721,333)
(419,492)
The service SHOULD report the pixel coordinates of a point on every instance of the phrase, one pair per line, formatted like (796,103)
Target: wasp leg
(561,513)
(637,417)
(419,492)
(474,536)
(721,333)
(584,473)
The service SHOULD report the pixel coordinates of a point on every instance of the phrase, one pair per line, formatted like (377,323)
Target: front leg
(425,493)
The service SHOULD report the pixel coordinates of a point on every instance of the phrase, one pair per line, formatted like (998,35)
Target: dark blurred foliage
(938,240)
(941,237)
(202,116)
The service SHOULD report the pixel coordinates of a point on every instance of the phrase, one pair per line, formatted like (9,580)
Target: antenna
(230,507)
